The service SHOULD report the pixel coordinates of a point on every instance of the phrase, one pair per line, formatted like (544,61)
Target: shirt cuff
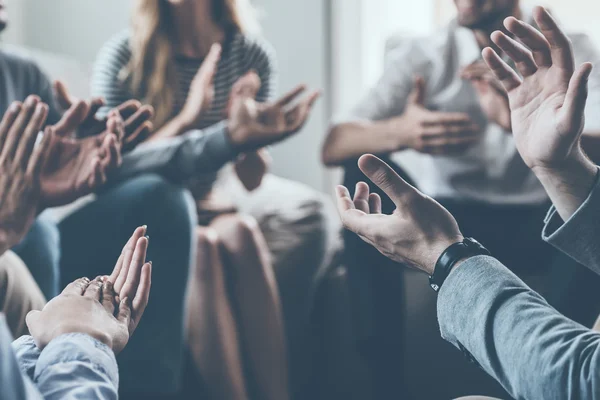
(79,347)
(218,144)
(27,354)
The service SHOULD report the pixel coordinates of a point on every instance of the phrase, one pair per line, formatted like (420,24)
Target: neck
(194,29)
(482,35)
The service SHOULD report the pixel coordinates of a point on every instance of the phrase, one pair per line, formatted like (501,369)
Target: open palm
(548,100)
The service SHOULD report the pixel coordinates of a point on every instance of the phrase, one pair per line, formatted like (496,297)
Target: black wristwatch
(467,248)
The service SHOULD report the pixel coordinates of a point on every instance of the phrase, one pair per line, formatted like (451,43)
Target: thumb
(62,95)
(124,316)
(385,178)
(417,95)
(31,320)
(577,94)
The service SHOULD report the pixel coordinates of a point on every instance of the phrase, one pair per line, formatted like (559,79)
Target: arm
(77,366)
(14,383)
(517,338)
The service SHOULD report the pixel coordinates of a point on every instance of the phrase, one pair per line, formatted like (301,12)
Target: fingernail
(15,107)
(145,227)
(124,300)
(148,238)
(150,262)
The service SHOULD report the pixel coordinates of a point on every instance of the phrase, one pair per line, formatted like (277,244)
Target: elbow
(328,152)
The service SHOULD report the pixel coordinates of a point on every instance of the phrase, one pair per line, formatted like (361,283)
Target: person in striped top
(189,60)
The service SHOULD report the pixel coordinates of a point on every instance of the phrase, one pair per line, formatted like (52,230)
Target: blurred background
(335,45)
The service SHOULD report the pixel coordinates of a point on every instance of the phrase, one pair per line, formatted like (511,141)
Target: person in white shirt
(437,100)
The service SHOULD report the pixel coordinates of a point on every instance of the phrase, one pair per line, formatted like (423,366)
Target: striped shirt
(240,55)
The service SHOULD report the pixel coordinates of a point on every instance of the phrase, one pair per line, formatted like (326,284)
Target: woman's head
(150,72)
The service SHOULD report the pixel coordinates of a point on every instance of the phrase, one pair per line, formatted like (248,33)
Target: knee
(238,230)
(208,264)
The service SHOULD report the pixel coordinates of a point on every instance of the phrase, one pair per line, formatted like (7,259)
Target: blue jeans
(40,250)
(91,241)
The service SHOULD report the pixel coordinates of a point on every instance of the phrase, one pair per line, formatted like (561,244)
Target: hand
(418,231)
(252,167)
(253,125)
(202,90)
(492,96)
(137,126)
(91,307)
(247,86)
(20,167)
(77,167)
(548,102)
(433,132)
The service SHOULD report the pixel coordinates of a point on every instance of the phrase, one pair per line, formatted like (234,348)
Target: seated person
(485,310)
(191,60)
(75,337)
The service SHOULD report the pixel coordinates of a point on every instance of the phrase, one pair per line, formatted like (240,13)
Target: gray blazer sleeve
(579,237)
(182,157)
(515,336)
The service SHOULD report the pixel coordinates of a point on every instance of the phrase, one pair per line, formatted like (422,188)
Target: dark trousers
(91,241)
(513,235)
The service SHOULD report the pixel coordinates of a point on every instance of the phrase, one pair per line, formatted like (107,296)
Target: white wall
(297,29)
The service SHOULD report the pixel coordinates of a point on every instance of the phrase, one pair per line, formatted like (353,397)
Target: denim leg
(40,251)
(92,239)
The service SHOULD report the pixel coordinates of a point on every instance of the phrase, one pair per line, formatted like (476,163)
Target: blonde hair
(151,72)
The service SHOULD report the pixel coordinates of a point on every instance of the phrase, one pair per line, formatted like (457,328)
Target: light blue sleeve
(76,366)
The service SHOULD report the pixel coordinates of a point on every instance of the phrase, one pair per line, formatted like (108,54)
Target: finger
(128,255)
(94,289)
(139,136)
(385,178)
(136,120)
(576,97)
(108,297)
(417,95)
(137,233)
(94,106)
(95,175)
(8,120)
(40,153)
(434,132)
(357,221)
(560,46)
(15,134)
(77,287)
(437,141)
(517,52)
(27,141)
(361,197)
(290,96)
(128,108)
(509,78)
(31,320)
(64,98)
(375,203)
(72,118)
(344,201)
(124,316)
(209,65)
(297,116)
(446,118)
(531,38)
(135,268)
(142,294)
(448,148)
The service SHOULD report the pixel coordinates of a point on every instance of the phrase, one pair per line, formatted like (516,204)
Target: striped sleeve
(106,76)
(260,56)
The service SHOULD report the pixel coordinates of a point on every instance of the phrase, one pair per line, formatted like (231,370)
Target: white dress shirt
(491,171)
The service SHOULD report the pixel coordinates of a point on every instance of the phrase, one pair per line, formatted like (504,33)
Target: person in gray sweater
(485,310)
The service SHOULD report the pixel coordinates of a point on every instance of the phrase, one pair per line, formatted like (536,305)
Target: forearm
(77,366)
(181,157)
(568,184)
(348,141)
(175,127)
(515,336)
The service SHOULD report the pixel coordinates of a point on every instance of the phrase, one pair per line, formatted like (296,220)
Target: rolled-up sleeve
(77,366)
(27,354)
(579,237)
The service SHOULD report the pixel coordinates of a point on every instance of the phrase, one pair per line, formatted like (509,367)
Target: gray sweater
(502,325)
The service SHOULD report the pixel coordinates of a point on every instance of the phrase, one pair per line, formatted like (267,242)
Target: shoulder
(18,63)
(116,52)
(255,50)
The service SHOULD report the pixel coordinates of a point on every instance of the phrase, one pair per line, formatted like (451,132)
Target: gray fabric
(578,238)
(511,331)
(182,157)
(20,78)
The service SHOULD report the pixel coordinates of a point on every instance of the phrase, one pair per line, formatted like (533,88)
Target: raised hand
(202,90)
(92,307)
(21,162)
(433,132)
(548,99)
(415,234)
(253,125)
(492,96)
(77,167)
(137,118)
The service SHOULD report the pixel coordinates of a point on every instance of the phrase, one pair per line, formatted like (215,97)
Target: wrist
(575,174)
(182,124)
